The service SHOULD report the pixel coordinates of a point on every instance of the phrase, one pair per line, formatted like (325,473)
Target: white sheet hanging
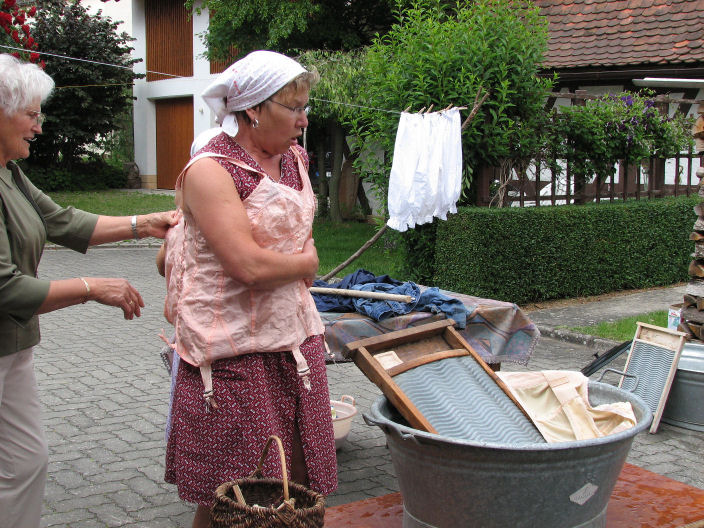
(426,173)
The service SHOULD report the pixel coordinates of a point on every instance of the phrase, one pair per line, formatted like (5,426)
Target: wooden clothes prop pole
(356,254)
(478,102)
(363,294)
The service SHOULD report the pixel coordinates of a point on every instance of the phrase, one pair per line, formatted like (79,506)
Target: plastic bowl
(341,422)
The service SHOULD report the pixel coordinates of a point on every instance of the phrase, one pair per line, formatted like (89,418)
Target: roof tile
(593,33)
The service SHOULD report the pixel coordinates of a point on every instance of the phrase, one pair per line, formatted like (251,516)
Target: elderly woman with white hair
(247,330)
(28,219)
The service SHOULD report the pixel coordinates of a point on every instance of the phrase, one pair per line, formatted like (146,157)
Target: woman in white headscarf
(247,330)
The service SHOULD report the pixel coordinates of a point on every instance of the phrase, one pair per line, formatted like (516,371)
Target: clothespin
(430,108)
(421,110)
(407,109)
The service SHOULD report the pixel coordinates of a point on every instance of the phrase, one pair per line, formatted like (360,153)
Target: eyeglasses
(38,117)
(295,110)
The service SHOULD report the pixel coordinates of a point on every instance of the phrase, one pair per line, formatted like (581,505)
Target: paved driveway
(105,390)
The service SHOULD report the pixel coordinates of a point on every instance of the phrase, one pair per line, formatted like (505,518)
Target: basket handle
(282,457)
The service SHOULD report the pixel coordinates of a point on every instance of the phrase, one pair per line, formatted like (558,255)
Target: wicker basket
(266,502)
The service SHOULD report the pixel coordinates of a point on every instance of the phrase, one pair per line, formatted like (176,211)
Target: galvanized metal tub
(684,404)
(447,482)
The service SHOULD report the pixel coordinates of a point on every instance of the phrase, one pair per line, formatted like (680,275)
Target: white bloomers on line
(426,173)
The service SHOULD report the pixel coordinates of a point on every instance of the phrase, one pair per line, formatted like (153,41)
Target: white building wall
(203,118)
(146,93)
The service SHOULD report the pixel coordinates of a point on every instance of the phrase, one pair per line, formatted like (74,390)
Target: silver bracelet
(87,290)
(134,227)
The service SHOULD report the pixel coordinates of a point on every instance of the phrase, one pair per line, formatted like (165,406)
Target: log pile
(692,314)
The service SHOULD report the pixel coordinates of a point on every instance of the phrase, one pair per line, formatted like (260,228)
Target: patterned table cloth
(499,331)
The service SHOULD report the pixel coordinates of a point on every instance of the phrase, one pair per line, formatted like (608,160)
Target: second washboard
(651,366)
(440,385)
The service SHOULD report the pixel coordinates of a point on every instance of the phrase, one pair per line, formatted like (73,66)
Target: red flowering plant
(15,31)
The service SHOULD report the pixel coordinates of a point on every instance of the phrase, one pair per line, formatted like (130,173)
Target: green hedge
(534,254)
(419,253)
(85,176)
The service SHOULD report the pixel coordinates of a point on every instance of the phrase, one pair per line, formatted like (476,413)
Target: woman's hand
(116,292)
(157,224)
(310,250)
(116,228)
(161,260)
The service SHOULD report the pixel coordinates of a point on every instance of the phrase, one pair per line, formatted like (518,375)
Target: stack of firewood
(692,313)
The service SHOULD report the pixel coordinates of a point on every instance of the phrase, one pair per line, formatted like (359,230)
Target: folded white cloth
(557,402)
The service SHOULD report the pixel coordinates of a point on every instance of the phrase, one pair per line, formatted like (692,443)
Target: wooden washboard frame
(653,358)
(414,347)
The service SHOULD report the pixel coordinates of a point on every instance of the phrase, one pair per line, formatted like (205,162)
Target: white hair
(21,84)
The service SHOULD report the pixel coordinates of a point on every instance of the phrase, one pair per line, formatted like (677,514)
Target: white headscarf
(202,139)
(248,82)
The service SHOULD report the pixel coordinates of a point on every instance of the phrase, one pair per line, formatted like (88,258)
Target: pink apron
(218,317)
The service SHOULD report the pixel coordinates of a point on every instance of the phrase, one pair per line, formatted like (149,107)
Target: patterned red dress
(258,395)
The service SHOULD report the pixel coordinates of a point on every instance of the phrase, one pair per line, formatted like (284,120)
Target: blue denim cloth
(338,303)
(431,300)
(379,309)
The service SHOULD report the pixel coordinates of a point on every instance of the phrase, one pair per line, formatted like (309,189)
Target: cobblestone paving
(104,390)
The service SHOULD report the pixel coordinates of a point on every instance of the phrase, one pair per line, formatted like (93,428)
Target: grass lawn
(623,329)
(335,242)
(114,202)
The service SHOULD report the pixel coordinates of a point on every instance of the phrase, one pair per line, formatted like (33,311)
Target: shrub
(627,126)
(540,253)
(419,247)
(16,33)
(82,176)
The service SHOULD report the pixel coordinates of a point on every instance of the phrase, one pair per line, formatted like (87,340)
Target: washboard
(441,385)
(651,366)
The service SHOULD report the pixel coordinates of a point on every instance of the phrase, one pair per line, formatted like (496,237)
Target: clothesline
(182,77)
(93,85)
(85,60)
(481,96)
(421,111)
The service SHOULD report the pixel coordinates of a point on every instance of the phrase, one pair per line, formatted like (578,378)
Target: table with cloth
(499,331)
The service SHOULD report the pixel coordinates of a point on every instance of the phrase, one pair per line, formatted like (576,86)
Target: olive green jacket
(22,238)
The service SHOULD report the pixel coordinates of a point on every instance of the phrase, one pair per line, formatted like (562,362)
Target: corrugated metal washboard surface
(462,401)
(652,364)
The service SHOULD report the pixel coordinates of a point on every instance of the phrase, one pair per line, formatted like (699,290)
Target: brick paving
(104,390)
